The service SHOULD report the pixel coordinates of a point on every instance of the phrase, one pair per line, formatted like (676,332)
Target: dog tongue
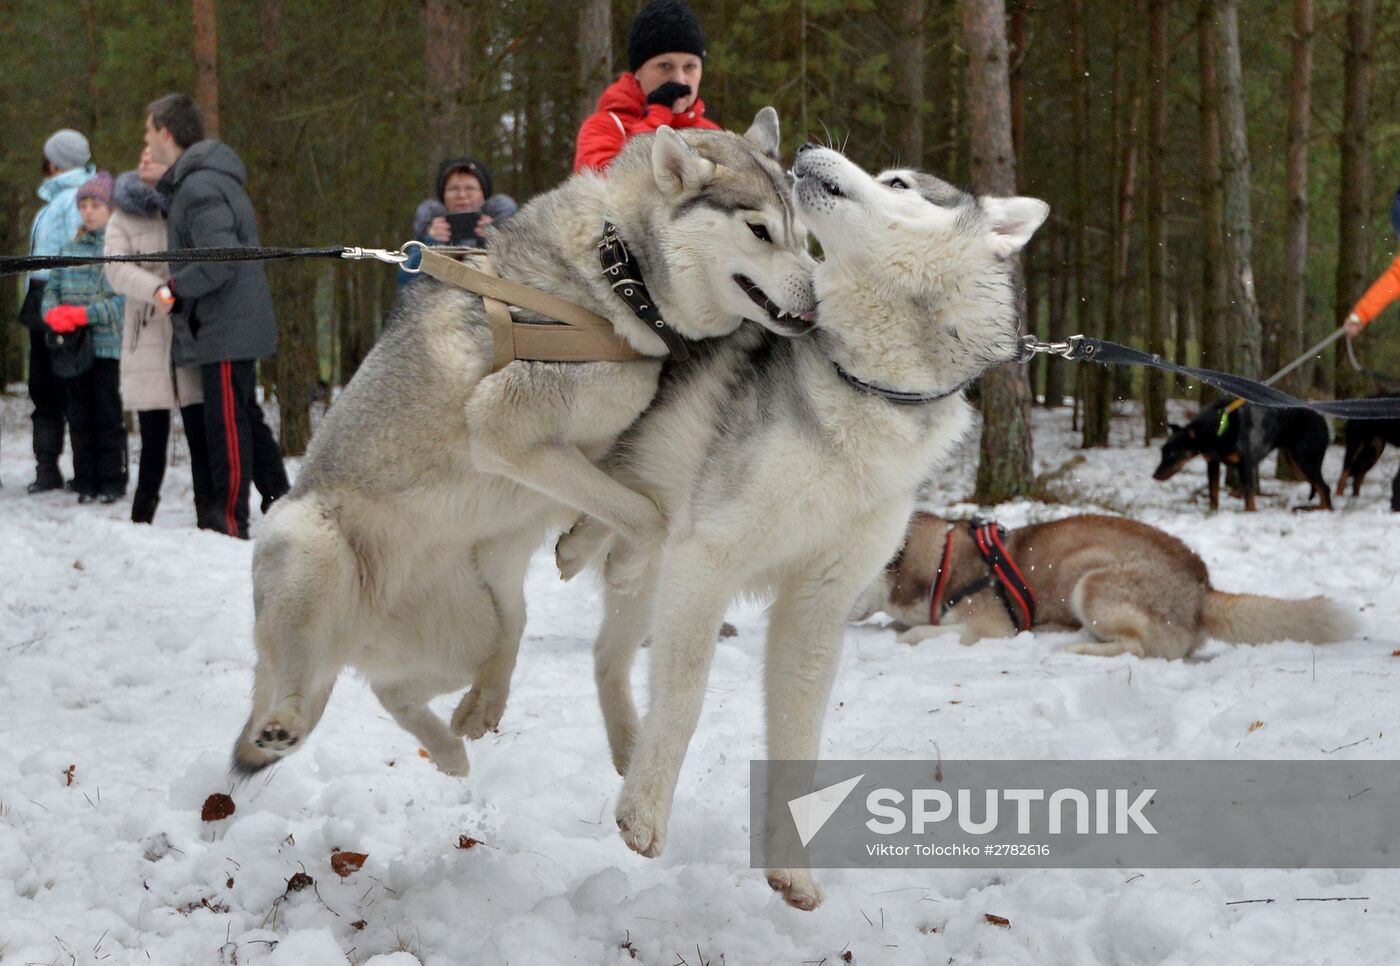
(808,316)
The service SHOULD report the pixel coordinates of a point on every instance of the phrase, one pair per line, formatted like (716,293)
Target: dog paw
(1098,648)
(917,635)
(451,760)
(642,822)
(798,887)
(278,734)
(578,545)
(628,565)
(478,712)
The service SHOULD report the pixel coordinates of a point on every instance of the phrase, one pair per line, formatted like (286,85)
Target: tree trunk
(907,67)
(1154,396)
(1057,312)
(594,54)
(1095,435)
(357,331)
(1116,382)
(1354,215)
(1293,325)
(295,367)
(1181,324)
(448,30)
(1016,51)
(1005,469)
(1242,319)
(955,118)
(1214,348)
(92,50)
(206,63)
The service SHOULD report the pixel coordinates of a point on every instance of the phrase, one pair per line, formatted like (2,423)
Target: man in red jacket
(666,56)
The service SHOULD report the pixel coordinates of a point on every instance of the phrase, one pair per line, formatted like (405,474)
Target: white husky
(401,551)
(791,466)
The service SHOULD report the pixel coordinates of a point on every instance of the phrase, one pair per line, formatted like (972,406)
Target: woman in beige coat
(151,385)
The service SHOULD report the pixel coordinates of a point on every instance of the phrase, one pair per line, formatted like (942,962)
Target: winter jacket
(149,378)
(223,310)
(499,207)
(86,285)
(58,221)
(1382,292)
(622,112)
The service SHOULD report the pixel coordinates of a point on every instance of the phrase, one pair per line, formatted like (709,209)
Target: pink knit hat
(99,187)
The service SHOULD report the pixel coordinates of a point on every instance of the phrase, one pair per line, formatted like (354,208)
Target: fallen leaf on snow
(216,807)
(298,882)
(347,863)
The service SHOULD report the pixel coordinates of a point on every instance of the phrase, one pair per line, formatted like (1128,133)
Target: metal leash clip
(1031,347)
(382,254)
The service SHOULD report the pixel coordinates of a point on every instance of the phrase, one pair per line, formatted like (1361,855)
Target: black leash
(1081,348)
(29,263)
(624,276)
(1388,382)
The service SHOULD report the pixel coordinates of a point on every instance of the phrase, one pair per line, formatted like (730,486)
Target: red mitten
(66,318)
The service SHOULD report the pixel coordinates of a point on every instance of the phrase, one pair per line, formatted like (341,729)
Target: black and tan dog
(1365,441)
(1242,439)
(1136,589)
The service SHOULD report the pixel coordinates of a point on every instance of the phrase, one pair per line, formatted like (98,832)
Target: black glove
(668,93)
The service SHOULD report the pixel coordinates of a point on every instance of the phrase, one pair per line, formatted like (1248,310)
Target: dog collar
(899,397)
(1012,587)
(625,277)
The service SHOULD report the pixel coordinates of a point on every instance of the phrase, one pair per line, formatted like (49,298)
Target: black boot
(46,478)
(143,507)
(206,515)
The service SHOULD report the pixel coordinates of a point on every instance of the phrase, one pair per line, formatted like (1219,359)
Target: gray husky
(790,466)
(401,551)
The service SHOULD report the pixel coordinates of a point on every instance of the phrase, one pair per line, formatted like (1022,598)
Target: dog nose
(806,147)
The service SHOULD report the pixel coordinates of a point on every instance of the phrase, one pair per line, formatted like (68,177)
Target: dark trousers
(45,390)
(93,404)
(155,436)
(241,446)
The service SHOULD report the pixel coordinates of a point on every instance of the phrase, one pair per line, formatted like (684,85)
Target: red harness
(1015,591)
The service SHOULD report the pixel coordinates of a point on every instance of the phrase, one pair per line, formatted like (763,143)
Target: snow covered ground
(125,664)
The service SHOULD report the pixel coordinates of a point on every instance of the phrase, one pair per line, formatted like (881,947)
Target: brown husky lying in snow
(1137,589)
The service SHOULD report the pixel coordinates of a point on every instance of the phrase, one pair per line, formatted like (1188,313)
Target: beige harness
(576,335)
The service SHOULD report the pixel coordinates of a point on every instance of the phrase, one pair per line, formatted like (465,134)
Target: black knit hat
(662,27)
(469,165)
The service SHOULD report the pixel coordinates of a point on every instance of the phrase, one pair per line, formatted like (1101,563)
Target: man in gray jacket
(223,313)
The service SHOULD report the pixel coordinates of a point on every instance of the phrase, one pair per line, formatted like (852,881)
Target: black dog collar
(897,396)
(625,277)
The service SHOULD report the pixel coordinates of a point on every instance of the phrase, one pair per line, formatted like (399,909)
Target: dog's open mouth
(778,320)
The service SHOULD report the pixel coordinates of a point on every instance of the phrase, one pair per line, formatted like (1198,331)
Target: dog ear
(763,134)
(675,167)
(1174,427)
(1011,222)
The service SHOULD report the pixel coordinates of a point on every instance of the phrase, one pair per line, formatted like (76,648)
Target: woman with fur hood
(151,385)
